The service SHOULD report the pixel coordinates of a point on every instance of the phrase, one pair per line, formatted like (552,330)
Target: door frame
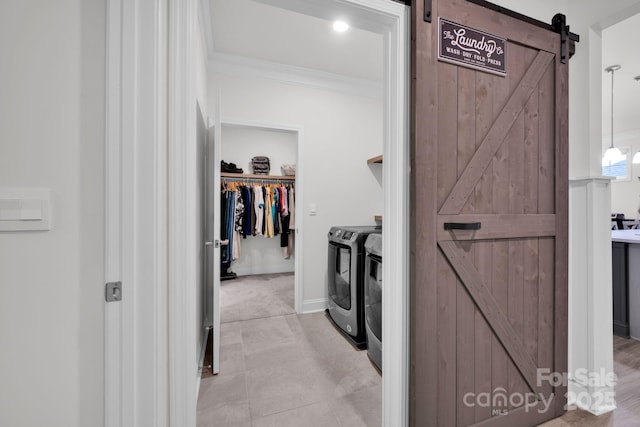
(136,216)
(151,365)
(298,131)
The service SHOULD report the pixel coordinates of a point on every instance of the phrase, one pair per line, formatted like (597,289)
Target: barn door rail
(558,25)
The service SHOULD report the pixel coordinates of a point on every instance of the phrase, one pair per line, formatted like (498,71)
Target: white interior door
(213,196)
(210,237)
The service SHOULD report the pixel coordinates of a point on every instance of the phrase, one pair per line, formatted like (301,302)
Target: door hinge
(113,291)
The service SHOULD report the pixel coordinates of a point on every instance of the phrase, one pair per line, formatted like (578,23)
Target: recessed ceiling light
(340,26)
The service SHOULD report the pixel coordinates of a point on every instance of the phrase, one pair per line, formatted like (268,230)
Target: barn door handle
(462,225)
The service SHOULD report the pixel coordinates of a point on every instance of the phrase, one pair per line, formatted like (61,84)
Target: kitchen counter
(625,236)
(625,245)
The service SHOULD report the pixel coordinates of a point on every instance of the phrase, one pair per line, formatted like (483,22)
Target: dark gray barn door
(490,153)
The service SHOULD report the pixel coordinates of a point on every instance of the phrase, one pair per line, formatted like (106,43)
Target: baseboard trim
(597,402)
(314,305)
(265,269)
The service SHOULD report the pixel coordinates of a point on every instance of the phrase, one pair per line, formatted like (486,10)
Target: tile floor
(289,370)
(297,370)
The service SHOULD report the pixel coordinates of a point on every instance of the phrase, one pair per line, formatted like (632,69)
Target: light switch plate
(25,209)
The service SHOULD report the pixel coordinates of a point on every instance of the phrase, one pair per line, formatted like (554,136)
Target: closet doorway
(254,251)
(260,251)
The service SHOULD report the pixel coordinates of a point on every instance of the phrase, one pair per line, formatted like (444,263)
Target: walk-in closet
(257,207)
(257,222)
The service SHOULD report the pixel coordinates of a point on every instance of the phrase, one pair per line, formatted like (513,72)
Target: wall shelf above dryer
(376,159)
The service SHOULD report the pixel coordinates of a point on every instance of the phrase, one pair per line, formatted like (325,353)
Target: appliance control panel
(344,234)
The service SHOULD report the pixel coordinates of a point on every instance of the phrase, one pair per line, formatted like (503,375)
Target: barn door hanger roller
(567,38)
(428,7)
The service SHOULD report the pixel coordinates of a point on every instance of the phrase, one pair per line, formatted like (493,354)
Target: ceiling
(619,44)
(252,29)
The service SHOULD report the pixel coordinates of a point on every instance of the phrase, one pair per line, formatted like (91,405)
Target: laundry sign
(472,48)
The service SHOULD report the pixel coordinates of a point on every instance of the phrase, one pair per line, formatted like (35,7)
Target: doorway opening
(259,249)
(346,121)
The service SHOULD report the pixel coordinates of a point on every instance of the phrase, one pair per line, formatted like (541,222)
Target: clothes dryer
(373,298)
(346,280)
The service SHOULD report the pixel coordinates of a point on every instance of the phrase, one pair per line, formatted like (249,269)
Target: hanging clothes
(292,208)
(284,203)
(285,219)
(246,196)
(292,221)
(254,210)
(275,211)
(239,223)
(269,232)
(231,208)
(258,206)
(265,197)
(224,255)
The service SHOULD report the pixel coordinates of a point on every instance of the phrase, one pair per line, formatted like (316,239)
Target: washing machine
(346,280)
(373,298)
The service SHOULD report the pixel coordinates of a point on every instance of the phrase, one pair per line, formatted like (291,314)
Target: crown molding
(227,64)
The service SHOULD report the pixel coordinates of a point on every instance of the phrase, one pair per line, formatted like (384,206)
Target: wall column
(590,296)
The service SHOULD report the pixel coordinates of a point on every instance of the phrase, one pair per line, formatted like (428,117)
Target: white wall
(542,10)
(52,135)
(340,132)
(202,75)
(260,255)
(241,143)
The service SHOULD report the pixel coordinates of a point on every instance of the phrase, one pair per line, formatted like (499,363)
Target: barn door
(489,320)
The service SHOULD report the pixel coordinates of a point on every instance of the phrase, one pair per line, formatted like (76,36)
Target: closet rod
(225,176)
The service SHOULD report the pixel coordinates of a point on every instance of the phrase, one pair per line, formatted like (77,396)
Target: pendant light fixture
(636,157)
(612,155)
